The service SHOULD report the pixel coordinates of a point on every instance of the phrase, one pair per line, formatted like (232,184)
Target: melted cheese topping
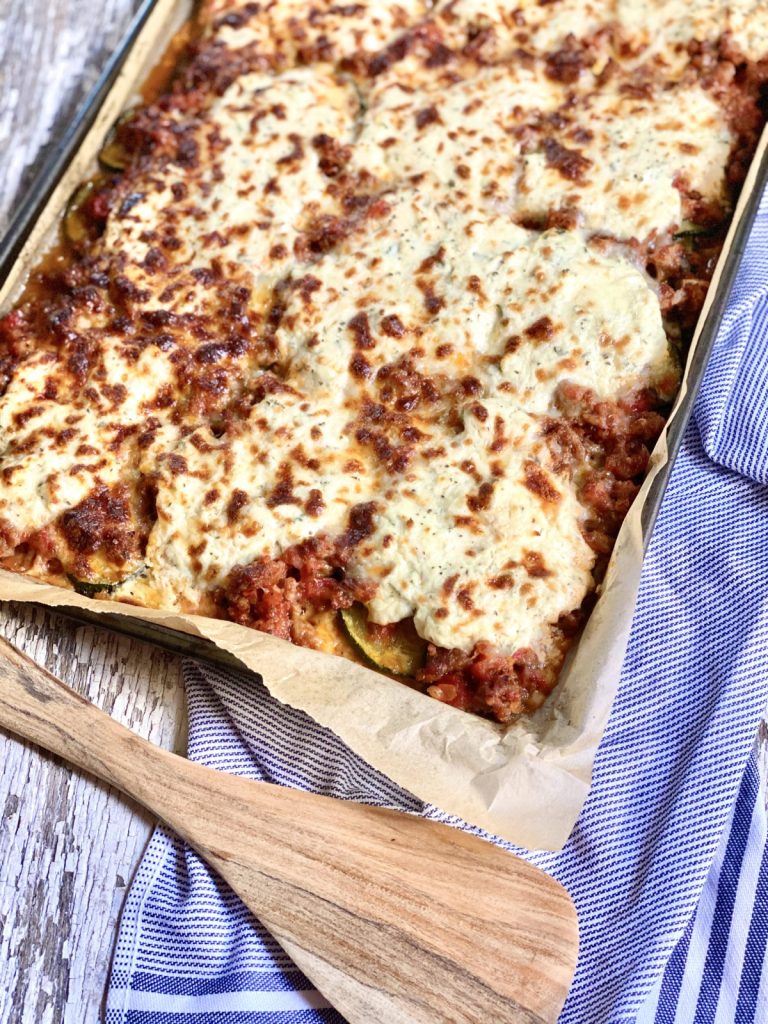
(283,31)
(516,550)
(68,459)
(425,276)
(500,573)
(541,27)
(516,563)
(748,25)
(233,216)
(587,318)
(543,307)
(255,184)
(664,27)
(511,139)
(285,474)
(637,150)
(463,133)
(62,436)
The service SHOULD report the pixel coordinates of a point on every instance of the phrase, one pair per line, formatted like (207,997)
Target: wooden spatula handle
(36,705)
(394,918)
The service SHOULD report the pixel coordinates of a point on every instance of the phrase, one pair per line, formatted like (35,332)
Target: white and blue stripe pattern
(667,864)
(719,969)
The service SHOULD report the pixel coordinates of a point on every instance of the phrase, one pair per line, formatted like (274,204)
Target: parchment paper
(526,782)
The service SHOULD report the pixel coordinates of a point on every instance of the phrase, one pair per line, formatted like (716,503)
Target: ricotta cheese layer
(357,325)
(666,27)
(620,160)
(466,133)
(290,31)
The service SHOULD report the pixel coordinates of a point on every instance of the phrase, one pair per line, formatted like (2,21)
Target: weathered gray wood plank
(68,846)
(50,54)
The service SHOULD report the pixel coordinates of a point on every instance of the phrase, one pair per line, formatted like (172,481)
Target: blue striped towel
(667,864)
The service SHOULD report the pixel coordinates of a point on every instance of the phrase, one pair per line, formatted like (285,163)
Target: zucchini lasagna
(365,329)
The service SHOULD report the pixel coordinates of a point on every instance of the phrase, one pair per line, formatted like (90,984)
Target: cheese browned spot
(466,133)
(286,32)
(633,154)
(664,28)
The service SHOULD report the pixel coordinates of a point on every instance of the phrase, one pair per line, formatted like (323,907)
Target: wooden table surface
(68,846)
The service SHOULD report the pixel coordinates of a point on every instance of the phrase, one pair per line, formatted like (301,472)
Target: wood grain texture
(68,845)
(393,917)
(51,52)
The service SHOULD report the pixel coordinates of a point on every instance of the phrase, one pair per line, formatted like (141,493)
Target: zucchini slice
(75,223)
(113,154)
(689,233)
(396,649)
(92,588)
(81,223)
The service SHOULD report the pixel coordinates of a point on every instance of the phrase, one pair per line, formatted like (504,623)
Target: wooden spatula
(395,919)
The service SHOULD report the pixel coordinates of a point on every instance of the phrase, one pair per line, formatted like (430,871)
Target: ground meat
(15,341)
(494,685)
(270,593)
(260,595)
(565,445)
(608,497)
(441,662)
(605,446)
(684,268)
(628,458)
